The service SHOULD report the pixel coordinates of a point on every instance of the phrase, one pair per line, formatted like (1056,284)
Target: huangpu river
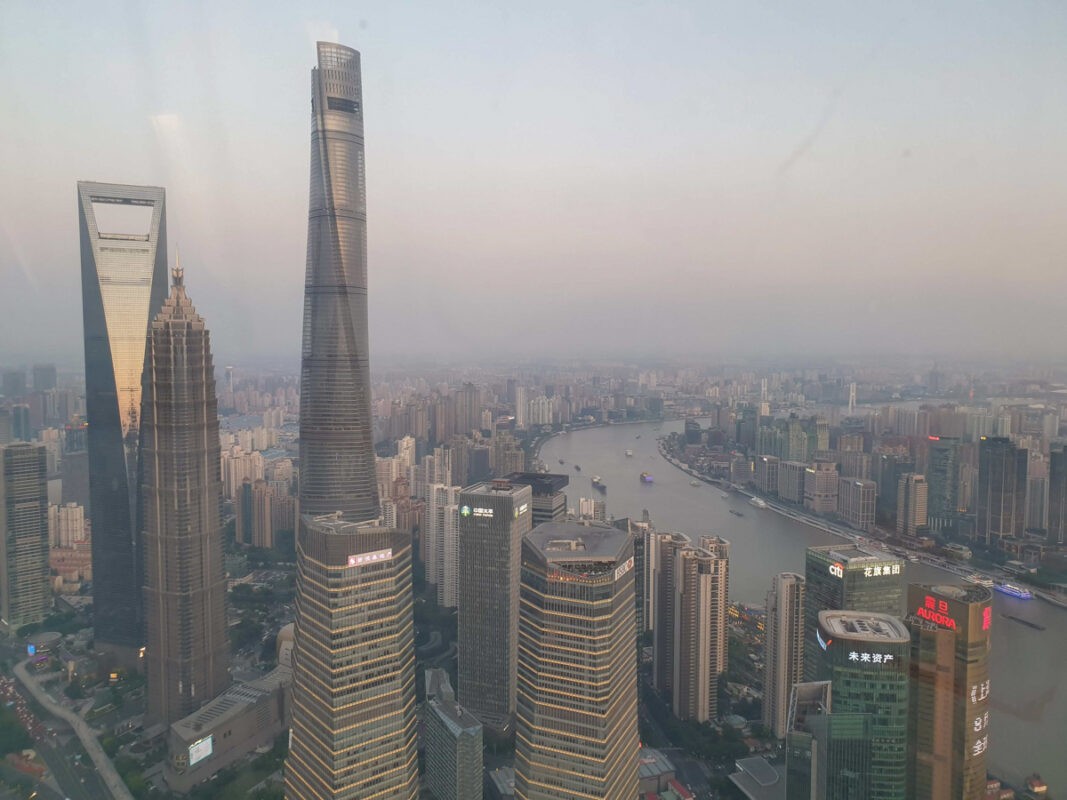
(1028,672)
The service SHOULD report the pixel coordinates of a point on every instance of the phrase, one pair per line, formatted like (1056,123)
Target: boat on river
(646,477)
(1014,591)
(629,453)
(736,513)
(758,502)
(598,484)
(694,483)
(980,580)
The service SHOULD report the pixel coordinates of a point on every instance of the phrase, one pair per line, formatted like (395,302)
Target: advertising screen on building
(201,749)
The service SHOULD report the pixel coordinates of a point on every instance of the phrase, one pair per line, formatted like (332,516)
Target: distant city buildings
(1000,501)
(912,504)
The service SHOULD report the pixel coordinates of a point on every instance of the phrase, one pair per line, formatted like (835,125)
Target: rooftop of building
(570,540)
(853,554)
(540,482)
(496,487)
(504,780)
(758,779)
(230,704)
(652,763)
(964,593)
(864,626)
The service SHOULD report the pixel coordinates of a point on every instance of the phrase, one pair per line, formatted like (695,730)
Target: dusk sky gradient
(565,179)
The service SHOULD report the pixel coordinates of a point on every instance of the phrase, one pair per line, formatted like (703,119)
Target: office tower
(912,503)
(442,541)
(549,500)
(452,743)
(846,578)
(783,654)
(25,598)
(1057,496)
(701,580)
(468,404)
(866,657)
(827,752)
(667,546)
(943,481)
(1001,493)
(576,727)
(187,652)
(493,518)
(820,487)
(949,722)
(791,479)
(766,468)
(354,722)
(14,385)
(886,469)
(44,377)
(855,502)
(124,281)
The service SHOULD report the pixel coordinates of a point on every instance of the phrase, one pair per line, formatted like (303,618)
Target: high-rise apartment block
(1057,496)
(452,743)
(1000,498)
(855,502)
(25,598)
(943,481)
(187,652)
(783,659)
(354,722)
(664,588)
(846,578)
(441,530)
(701,581)
(766,474)
(821,487)
(948,735)
(576,726)
(866,660)
(124,281)
(791,479)
(912,500)
(493,519)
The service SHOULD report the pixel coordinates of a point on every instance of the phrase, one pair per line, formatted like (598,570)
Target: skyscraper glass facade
(124,281)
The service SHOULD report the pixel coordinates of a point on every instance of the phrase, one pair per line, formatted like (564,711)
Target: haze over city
(603,180)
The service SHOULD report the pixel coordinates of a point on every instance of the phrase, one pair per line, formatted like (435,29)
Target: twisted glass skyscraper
(124,281)
(353,721)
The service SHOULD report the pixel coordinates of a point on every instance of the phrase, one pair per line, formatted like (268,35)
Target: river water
(1028,669)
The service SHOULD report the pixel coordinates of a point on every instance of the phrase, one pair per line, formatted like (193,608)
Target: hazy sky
(575,178)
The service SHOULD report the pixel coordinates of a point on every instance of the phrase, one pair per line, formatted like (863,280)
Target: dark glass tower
(1001,497)
(124,281)
(353,721)
(187,652)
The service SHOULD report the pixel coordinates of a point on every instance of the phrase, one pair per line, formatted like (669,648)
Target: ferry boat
(724,496)
(598,484)
(646,477)
(1014,591)
(981,580)
(629,453)
(758,502)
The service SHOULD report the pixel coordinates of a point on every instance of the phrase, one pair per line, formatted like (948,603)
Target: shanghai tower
(353,720)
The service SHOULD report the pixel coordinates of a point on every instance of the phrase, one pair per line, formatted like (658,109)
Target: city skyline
(830,131)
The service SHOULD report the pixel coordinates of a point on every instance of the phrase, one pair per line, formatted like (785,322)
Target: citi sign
(837,570)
